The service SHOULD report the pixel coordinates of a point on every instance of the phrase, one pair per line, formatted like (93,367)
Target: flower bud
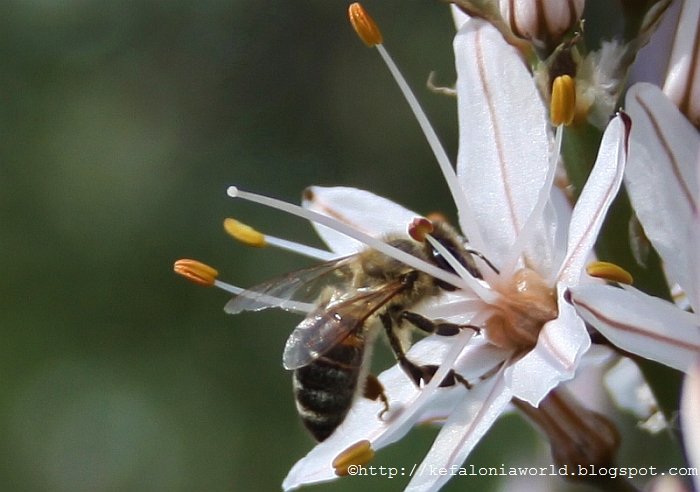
(682,84)
(542,22)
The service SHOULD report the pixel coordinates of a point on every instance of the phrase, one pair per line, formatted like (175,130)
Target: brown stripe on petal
(565,362)
(674,160)
(500,144)
(637,331)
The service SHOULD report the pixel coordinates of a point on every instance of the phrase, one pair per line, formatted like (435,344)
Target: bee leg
(425,373)
(442,328)
(419,374)
(451,379)
(374,390)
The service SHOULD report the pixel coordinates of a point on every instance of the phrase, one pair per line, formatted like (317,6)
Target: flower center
(525,305)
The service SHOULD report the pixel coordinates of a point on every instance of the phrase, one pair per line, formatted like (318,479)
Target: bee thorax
(377,267)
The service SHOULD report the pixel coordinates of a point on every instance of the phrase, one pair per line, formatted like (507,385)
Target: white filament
(286,304)
(302,249)
(485,294)
(336,225)
(446,167)
(530,226)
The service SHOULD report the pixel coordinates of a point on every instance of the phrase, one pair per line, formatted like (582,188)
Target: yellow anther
(196,271)
(244,233)
(563,105)
(364,25)
(419,228)
(358,454)
(610,272)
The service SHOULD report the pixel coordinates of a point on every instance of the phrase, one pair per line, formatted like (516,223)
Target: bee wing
(329,325)
(286,291)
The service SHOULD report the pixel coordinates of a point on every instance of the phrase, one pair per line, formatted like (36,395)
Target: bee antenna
(485,294)
(479,254)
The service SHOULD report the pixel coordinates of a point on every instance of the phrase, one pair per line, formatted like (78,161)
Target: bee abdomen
(325,389)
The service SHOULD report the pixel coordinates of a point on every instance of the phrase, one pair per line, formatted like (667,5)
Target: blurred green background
(121,125)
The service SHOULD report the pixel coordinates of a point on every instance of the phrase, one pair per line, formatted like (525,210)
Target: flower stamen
(244,233)
(358,12)
(358,454)
(252,237)
(563,104)
(527,232)
(339,226)
(202,274)
(610,272)
(419,228)
(196,271)
(364,25)
(487,295)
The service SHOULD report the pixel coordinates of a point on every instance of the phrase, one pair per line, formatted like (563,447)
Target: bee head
(448,237)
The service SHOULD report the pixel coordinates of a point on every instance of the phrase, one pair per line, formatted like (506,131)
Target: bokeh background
(122,122)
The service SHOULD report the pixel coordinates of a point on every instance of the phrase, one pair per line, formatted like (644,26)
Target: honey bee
(354,298)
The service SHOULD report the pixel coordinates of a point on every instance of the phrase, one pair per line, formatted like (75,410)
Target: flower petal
(365,211)
(597,195)
(640,324)
(504,141)
(560,346)
(458,16)
(683,79)
(662,180)
(465,427)
(630,391)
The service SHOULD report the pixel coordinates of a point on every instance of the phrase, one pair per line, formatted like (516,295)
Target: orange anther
(364,26)
(196,271)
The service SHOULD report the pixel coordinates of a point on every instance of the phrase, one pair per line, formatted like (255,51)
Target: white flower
(662,182)
(532,301)
(533,338)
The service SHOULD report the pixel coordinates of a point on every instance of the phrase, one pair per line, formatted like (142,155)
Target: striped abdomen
(325,388)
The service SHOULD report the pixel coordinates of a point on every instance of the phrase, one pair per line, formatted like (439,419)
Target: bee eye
(462,256)
(440,261)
